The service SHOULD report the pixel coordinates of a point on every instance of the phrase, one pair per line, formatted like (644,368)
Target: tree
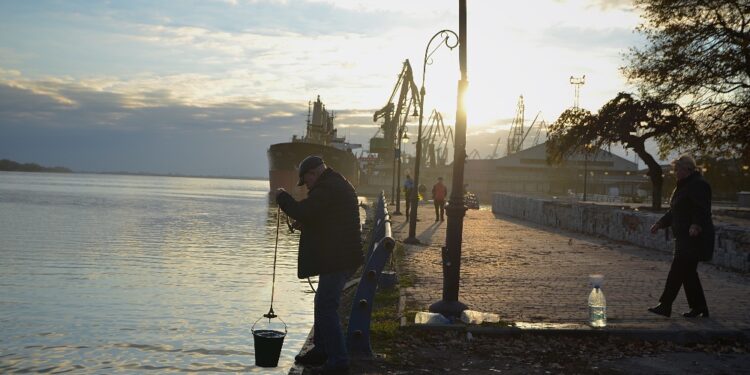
(698,54)
(628,121)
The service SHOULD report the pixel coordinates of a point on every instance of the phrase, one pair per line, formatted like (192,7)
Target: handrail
(379,250)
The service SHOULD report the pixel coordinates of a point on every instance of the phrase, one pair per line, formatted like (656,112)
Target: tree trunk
(654,174)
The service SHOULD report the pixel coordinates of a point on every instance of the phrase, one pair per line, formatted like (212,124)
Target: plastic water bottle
(597,303)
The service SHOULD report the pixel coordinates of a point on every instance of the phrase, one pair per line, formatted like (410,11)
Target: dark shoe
(662,309)
(311,358)
(702,312)
(325,370)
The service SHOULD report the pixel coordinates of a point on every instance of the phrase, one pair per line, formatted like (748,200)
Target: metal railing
(379,250)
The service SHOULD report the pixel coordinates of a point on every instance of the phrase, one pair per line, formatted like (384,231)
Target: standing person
(408,189)
(689,216)
(422,190)
(329,246)
(439,193)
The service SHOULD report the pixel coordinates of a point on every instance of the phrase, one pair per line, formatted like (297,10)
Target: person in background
(689,217)
(329,246)
(439,194)
(408,189)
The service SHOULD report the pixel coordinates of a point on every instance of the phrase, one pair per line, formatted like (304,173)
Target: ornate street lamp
(456,210)
(445,35)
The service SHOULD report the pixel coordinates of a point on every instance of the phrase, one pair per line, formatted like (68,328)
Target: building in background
(609,177)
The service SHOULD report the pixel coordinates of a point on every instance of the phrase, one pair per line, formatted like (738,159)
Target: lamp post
(587,149)
(445,34)
(456,210)
(585,171)
(402,137)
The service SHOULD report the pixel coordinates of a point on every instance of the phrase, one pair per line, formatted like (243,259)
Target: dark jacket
(691,204)
(331,232)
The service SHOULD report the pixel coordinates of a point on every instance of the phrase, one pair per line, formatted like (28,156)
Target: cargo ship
(320,139)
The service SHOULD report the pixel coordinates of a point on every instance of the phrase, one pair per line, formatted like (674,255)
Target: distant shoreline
(14,166)
(7,165)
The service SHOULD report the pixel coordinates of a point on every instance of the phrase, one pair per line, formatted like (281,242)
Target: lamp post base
(448,308)
(412,241)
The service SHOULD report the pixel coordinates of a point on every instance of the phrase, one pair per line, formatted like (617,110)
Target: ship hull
(284,158)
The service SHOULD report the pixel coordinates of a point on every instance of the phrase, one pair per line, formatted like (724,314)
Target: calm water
(106,274)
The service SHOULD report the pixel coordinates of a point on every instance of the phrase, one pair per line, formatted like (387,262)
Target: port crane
(388,148)
(435,141)
(519,133)
(395,116)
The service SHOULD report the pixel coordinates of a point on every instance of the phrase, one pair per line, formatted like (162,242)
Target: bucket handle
(252,329)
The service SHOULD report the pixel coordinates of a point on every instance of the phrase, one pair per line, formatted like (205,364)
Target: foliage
(698,54)
(628,121)
(10,165)
(570,134)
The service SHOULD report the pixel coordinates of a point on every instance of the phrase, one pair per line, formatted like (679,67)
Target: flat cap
(309,163)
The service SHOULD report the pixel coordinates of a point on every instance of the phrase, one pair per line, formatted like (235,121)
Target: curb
(683,336)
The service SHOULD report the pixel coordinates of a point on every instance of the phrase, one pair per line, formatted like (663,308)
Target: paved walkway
(528,273)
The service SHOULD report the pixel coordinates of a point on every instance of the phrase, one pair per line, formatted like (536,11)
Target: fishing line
(271,314)
(311,286)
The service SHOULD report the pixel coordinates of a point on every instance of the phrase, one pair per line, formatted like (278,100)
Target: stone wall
(732,241)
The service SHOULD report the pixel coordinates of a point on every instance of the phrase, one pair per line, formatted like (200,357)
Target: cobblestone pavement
(528,273)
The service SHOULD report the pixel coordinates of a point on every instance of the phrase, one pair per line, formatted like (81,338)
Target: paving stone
(527,272)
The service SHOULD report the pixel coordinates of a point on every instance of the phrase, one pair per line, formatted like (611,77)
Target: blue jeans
(328,335)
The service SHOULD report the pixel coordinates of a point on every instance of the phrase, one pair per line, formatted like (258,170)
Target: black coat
(691,204)
(331,232)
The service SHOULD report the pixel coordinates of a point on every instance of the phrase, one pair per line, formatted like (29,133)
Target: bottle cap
(596,280)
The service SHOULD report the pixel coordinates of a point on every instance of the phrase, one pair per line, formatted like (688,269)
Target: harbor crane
(388,148)
(436,138)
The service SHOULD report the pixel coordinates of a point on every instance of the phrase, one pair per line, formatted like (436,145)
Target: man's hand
(277,192)
(297,225)
(655,228)
(694,230)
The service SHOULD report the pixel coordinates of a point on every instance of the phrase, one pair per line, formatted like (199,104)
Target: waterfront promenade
(537,277)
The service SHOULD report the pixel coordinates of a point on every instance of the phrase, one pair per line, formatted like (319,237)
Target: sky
(204,87)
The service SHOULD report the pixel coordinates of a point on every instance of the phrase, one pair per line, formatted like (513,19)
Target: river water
(123,274)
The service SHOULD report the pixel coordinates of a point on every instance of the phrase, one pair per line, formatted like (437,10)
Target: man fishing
(330,246)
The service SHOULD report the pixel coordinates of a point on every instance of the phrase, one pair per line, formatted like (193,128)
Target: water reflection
(124,274)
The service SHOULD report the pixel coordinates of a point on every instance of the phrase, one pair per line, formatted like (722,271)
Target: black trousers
(439,209)
(684,273)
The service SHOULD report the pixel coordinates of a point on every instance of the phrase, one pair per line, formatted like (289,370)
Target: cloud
(97,130)
(614,4)
(588,39)
(188,75)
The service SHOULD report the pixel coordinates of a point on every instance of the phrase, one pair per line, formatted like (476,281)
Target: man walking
(689,217)
(439,193)
(329,246)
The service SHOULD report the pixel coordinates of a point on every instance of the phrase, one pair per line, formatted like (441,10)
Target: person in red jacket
(439,194)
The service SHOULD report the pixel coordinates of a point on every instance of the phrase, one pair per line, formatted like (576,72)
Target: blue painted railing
(379,249)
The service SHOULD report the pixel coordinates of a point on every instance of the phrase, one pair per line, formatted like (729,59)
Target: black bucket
(268,345)
(268,342)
